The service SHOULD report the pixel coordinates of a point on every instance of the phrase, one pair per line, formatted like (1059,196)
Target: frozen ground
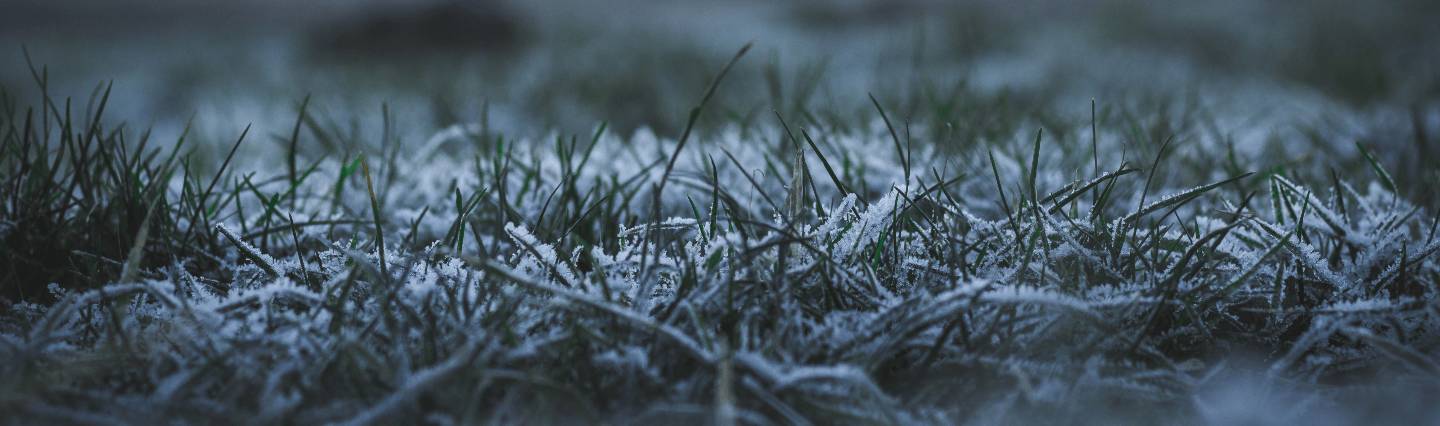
(1239,229)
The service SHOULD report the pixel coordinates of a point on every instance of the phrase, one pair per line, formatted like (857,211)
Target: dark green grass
(1110,265)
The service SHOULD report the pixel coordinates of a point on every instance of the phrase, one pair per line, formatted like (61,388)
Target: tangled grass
(1120,269)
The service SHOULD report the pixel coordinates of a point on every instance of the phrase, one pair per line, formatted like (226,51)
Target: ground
(820,212)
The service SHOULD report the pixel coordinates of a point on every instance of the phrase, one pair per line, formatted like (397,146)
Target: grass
(943,265)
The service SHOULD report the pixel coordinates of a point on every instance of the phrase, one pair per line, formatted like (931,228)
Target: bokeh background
(1323,73)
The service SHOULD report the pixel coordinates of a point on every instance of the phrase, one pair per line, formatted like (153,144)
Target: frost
(265,261)
(839,311)
(866,230)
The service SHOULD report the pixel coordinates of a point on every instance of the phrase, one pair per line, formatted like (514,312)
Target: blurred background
(1346,70)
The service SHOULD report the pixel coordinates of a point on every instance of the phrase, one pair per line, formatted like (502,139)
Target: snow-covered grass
(1128,265)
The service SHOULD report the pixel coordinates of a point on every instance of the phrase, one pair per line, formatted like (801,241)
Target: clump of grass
(765,274)
(78,195)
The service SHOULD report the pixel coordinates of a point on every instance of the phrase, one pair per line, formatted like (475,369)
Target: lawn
(829,215)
